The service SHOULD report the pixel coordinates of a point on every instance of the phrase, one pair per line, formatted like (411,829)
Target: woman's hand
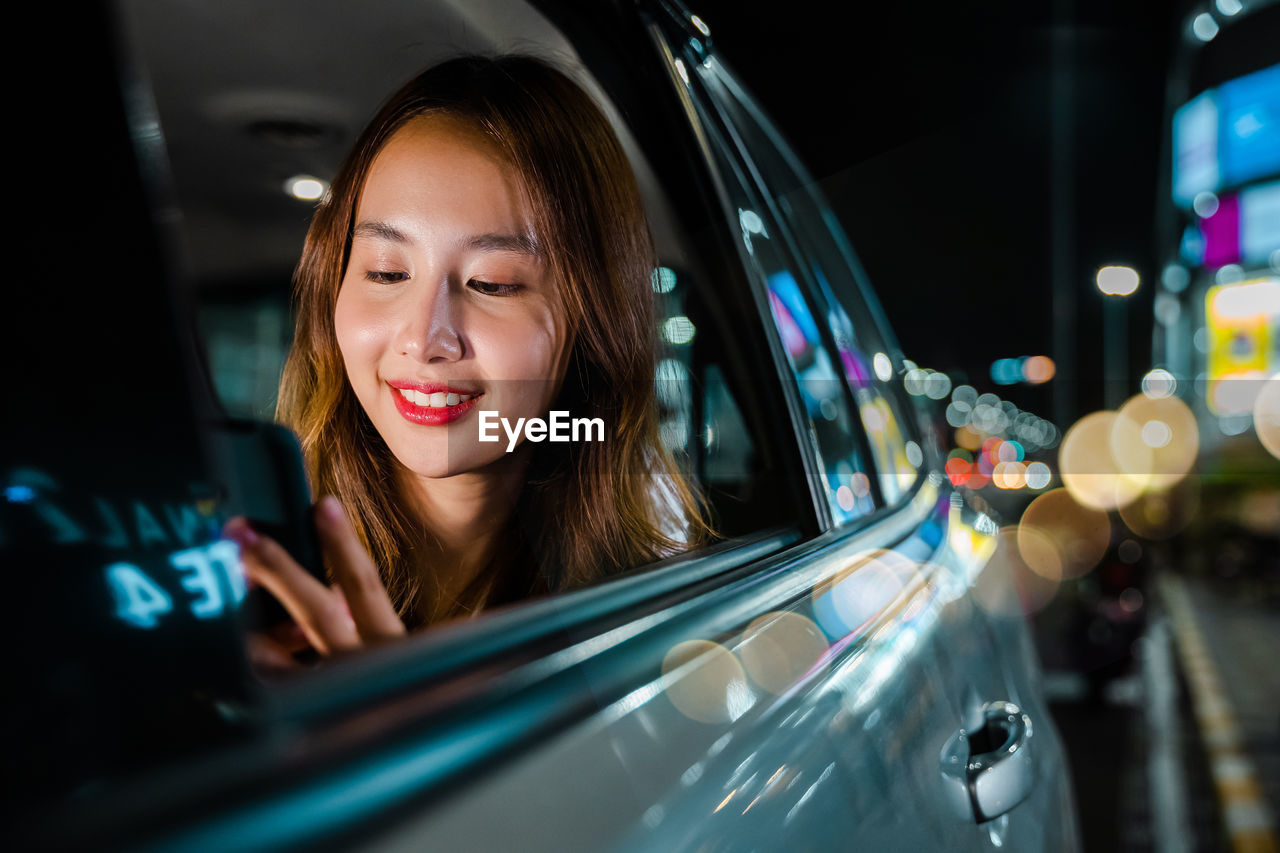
(354,612)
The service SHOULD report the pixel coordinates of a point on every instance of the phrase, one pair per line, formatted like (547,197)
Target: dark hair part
(588,509)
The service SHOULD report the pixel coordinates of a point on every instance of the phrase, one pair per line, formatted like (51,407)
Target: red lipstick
(407,394)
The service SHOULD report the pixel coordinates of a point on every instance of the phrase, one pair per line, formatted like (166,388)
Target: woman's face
(447,306)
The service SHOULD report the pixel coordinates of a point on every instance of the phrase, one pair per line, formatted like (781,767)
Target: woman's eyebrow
(523,244)
(381,230)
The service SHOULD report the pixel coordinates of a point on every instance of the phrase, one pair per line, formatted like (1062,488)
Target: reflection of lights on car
(664,280)
(778,648)
(678,330)
(914,455)
(708,683)
(883,367)
(1008,587)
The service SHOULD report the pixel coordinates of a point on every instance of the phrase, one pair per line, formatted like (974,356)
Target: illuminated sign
(212,575)
(1243,322)
(1227,137)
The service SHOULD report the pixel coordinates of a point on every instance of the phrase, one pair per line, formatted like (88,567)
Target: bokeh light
(1038,369)
(1159,383)
(1205,204)
(958,470)
(678,330)
(1007,587)
(1167,429)
(1060,538)
(1160,514)
(1204,26)
(1117,280)
(882,366)
(712,685)
(1266,415)
(778,648)
(968,438)
(1038,475)
(852,598)
(305,187)
(1088,462)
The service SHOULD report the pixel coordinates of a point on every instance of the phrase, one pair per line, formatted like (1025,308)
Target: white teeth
(438,400)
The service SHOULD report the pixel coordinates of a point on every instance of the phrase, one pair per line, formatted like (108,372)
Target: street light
(1116,281)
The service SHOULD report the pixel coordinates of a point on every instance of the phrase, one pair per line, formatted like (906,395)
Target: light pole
(1117,283)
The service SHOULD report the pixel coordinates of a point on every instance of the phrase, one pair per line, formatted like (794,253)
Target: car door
(982,654)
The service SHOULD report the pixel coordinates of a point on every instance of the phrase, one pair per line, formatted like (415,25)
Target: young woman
(482,249)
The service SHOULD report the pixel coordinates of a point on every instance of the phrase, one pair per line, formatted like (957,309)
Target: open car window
(109,490)
(243,120)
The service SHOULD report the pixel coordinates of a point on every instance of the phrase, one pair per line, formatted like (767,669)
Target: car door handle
(989,770)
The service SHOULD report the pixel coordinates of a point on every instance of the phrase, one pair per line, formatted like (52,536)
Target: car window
(245,131)
(805,251)
(830,364)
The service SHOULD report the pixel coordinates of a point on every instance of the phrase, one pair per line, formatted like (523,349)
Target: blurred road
(1229,650)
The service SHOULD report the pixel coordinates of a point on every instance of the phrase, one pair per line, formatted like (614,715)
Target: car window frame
(669,27)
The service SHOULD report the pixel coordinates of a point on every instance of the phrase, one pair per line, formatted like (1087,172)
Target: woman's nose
(430,331)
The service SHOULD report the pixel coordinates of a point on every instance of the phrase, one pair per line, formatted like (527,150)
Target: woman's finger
(267,656)
(321,615)
(370,606)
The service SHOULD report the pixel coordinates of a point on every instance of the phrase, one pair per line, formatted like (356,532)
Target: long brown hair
(588,509)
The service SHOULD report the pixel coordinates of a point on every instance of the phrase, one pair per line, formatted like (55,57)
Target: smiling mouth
(434,408)
(434,400)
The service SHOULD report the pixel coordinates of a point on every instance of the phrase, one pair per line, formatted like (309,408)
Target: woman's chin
(454,463)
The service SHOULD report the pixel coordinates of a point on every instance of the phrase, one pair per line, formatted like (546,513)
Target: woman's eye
(380,277)
(492,288)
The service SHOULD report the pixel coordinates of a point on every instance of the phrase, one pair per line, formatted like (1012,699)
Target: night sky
(932,132)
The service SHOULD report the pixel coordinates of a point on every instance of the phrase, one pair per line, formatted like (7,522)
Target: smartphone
(260,474)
